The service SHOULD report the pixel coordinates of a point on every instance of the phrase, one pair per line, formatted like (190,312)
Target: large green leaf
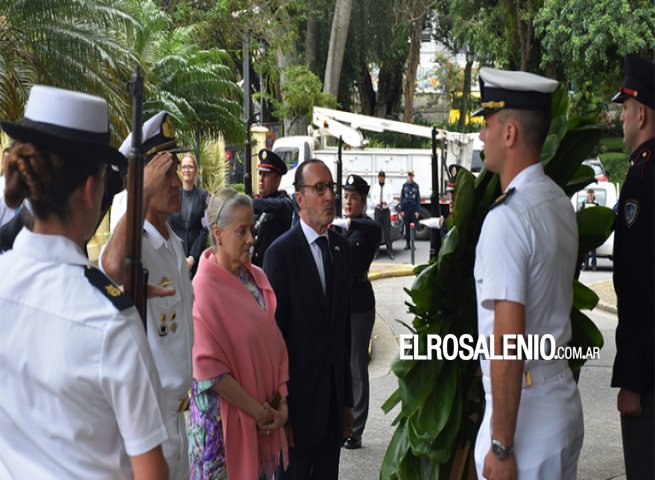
(396,450)
(594,226)
(573,149)
(582,177)
(444,444)
(584,298)
(464,198)
(417,385)
(585,334)
(391,402)
(421,291)
(428,422)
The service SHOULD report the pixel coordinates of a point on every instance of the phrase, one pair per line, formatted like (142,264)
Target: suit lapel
(312,269)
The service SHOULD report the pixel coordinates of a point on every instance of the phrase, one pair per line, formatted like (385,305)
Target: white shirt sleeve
(131,385)
(505,250)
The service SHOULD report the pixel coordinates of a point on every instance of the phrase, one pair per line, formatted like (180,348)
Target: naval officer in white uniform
(169,317)
(525,262)
(80,392)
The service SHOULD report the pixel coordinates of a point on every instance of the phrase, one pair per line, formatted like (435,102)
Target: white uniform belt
(537,375)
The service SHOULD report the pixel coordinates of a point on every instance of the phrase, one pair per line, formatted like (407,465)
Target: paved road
(601,457)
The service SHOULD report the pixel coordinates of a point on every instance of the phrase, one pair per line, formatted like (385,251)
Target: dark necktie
(328,266)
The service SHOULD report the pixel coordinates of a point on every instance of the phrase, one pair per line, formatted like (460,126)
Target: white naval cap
(503,89)
(158,136)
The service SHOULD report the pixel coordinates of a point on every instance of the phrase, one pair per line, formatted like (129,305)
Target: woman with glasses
(187,224)
(240,362)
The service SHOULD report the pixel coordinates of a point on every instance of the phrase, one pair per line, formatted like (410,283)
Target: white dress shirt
(384,191)
(311,235)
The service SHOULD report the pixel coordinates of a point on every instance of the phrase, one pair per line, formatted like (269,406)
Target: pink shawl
(233,334)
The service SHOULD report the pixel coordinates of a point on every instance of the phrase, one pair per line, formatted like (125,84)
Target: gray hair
(222,204)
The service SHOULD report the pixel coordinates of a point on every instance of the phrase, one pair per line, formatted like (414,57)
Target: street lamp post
(247,173)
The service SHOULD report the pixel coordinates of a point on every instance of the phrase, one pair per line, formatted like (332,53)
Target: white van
(606,194)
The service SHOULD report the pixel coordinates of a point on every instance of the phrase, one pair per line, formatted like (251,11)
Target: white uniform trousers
(176,447)
(549,430)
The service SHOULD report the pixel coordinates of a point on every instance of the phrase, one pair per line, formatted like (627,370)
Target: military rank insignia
(107,288)
(502,198)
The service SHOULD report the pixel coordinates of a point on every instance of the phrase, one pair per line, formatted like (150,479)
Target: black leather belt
(359,278)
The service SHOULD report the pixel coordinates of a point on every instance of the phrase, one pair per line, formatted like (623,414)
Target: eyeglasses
(188,167)
(321,188)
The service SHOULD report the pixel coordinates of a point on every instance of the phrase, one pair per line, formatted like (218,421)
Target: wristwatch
(500,451)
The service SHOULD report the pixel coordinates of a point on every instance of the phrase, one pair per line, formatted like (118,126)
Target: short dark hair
(299,179)
(534,126)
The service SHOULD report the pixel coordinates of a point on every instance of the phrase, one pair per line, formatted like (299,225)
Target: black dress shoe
(406,247)
(353,442)
(391,255)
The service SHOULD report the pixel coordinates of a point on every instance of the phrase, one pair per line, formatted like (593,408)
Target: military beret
(639,81)
(269,161)
(504,89)
(355,182)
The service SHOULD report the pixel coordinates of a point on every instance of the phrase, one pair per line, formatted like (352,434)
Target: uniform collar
(643,150)
(155,238)
(49,248)
(527,175)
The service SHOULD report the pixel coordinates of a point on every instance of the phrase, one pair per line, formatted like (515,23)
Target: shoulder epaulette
(107,287)
(502,198)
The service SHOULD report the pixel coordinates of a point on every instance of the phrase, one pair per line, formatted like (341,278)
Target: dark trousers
(383,218)
(638,441)
(591,254)
(320,462)
(361,327)
(410,217)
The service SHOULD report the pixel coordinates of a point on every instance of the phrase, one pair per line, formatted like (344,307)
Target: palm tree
(196,86)
(75,44)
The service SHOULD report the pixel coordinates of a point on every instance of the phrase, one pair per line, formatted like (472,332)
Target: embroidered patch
(631,211)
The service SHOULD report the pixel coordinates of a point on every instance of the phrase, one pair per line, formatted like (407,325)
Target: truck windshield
(288,156)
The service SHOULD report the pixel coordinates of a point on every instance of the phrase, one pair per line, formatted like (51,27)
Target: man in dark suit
(309,270)
(273,207)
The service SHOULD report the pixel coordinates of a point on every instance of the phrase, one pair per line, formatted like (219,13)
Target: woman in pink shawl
(239,357)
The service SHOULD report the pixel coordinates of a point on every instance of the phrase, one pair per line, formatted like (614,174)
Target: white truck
(367,162)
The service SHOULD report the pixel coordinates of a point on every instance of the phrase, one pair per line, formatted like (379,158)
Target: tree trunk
(285,60)
(390,85)
(365,89)
(466,95)
(338,38)
(412,66)
(524,30)
(311,36)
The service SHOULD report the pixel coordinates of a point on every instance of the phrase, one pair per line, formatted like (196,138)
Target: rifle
(134,275)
